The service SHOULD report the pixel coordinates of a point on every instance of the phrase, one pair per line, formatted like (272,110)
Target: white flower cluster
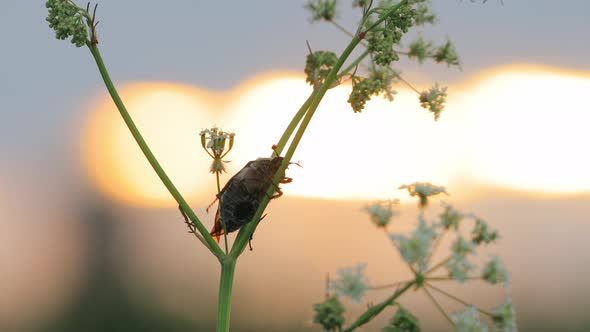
(468,321)
(381,212)
(214,139)
(415,250)
(423,190)
(351,282)
(434,100)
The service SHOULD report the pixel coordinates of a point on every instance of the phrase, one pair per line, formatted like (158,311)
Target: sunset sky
(510,146)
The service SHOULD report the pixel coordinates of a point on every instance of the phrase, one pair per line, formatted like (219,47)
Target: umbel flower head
(415,250)
(434,100)
(329,314)
(468,321)
(381,212)
(351,282)
(423,190)
(67,20)
(321,10)
(403,321)
(482,233)
(494,271)
(504,317)
(214,142)
(451,218)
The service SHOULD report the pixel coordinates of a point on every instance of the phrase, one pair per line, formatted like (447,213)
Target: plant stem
(354,64)
(341,28)
(222,223)
(211,244)
(437,242)
(437,266)
(438,306)
(376,309)
(395,284)
(446,278)
(228,266)
(453,297)
(407,83)
(246,231)
(293,124)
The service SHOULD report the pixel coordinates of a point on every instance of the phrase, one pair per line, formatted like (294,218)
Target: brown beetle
(241,195)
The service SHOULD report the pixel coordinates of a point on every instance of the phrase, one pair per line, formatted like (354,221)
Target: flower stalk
(211,244)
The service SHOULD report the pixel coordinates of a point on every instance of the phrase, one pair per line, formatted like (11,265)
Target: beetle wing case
(242,194)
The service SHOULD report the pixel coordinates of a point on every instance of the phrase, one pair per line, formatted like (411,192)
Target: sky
(50,91)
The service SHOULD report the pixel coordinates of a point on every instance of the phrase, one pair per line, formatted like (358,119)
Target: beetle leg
(278,194)
(286,180)
(210,205)
(191,227)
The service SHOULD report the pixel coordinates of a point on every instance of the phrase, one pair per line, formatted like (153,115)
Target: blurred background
(90,241)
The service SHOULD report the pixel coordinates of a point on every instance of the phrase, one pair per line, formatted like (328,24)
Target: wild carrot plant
(378,33)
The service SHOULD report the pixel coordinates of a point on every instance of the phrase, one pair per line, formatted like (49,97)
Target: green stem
(341,28)
(354,64)
(211,244)
(246,232)
(439,265)
(293,124)
(395,284)
(453,297)
(407,83)
(228,266)
(376,309)
(437,242)
(451,278)
(222,224)
(438,306)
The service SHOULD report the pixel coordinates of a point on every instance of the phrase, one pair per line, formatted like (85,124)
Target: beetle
(242,194)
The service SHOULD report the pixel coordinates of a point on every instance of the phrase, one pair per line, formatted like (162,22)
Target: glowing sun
(514,127)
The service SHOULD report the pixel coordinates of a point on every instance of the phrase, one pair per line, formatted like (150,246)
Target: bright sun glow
(528,130)
(517,128)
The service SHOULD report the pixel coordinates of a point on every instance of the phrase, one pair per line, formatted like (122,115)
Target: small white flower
(505,317)
(462,247)
(351,282)
(214,140)
(495,272)
(423,190)
(416,249)
(450,218)
(381,212)
(434,100)
(468,321)
(459,268)
(482,233)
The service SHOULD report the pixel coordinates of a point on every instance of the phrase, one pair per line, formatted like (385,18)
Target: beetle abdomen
(243,193)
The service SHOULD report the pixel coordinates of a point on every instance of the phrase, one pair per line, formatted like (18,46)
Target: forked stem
(211,244)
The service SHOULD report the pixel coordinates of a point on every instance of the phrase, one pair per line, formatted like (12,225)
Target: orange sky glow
(511,127)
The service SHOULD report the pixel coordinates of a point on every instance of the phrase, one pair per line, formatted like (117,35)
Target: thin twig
(453,297)
(435,267)
(395,284)
(447,278)
(438,306)
(436,244)
(407,83)
(222,223)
